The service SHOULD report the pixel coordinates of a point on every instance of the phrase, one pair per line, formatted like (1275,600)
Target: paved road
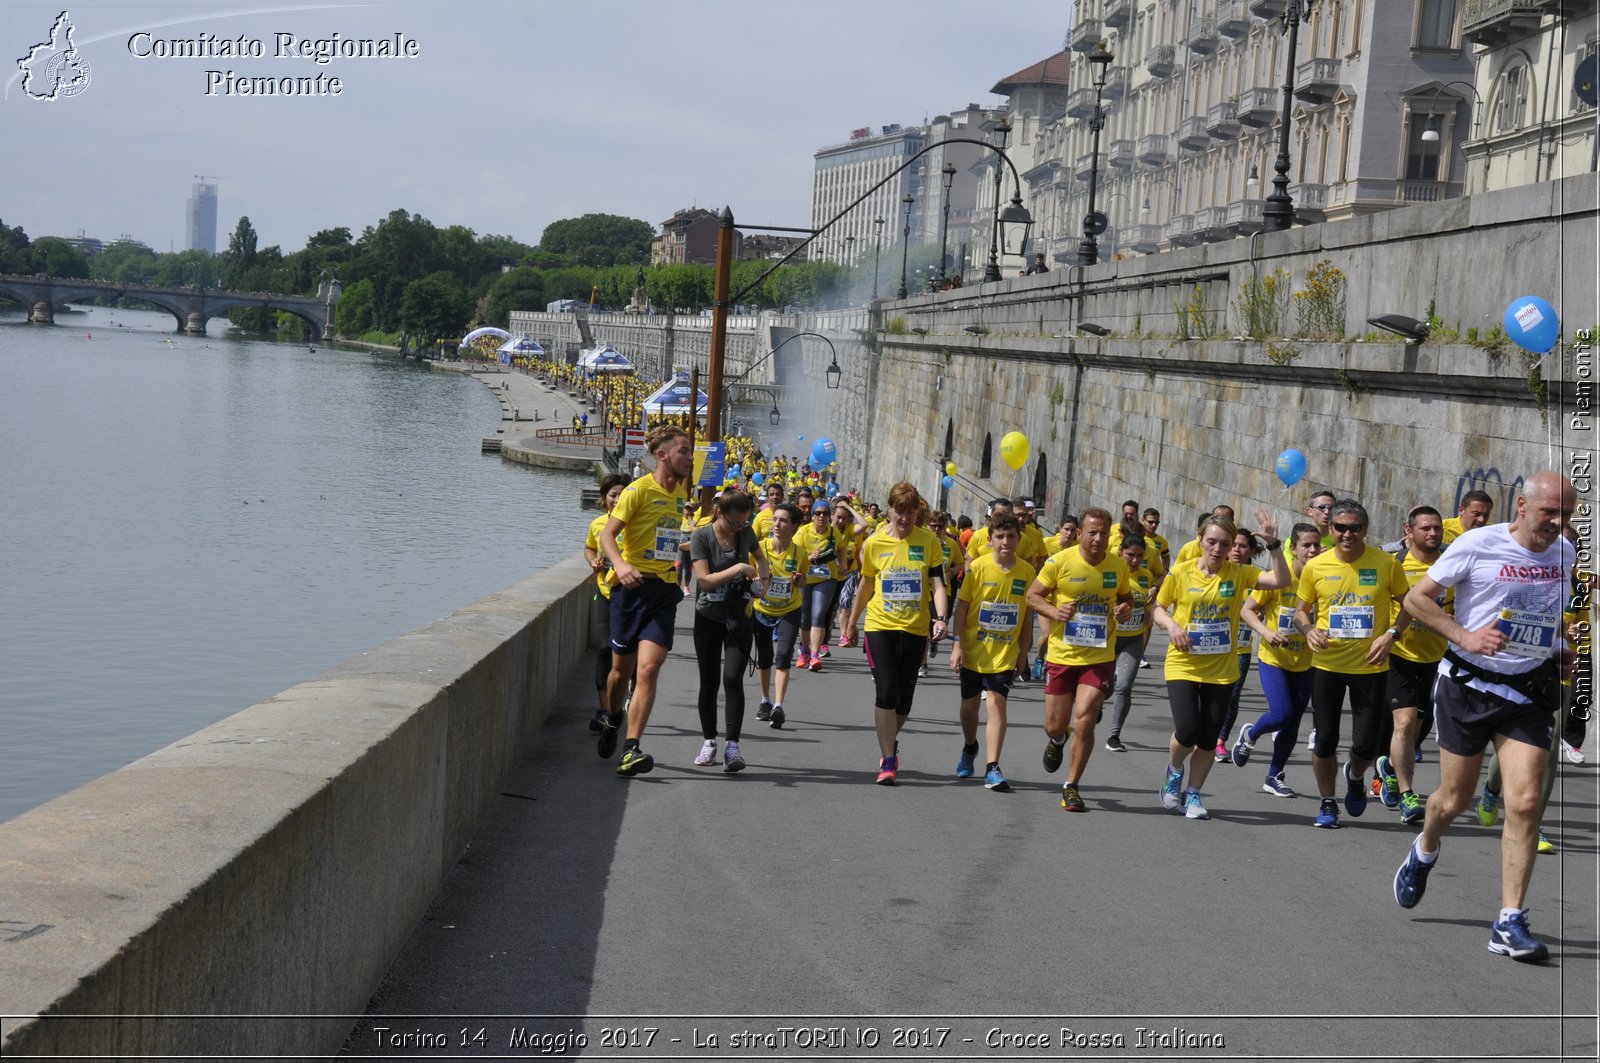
(707,907)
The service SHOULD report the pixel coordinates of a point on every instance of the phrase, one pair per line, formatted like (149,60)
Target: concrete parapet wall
(658,342)
(275,863)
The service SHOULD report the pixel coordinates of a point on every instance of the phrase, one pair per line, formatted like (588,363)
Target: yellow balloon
(1014,449)
(949,468)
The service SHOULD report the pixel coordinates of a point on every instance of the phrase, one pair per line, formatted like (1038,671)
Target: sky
(509,116)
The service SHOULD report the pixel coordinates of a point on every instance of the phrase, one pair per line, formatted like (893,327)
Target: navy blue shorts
(1467,720)
(975,683)
(645,613)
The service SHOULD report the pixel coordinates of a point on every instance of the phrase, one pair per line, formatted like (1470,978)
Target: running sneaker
(1376,787)
(922,671)
(764,710)
(732,759)
(1277,787)
(824,652)
(816,664)
(1412,878)
(1038,674)
(1240,754)
(1192,808)
(1389,791)
(993,780)
(635,761)
(1571,753)
(1144,662)
(607,745)
(1511,937)
(1311,743)
(1222,752)
(1416,758)
(1071,800)
(1327,814)
(597,721)
(777,717)
(844,643)
(1169,793)
(1488,807)
(708,753)
(1052,753)
(887,766)
(1114,743)
(1355,792)
(1546,846)
(1413,809)
(802,661)
(964,761)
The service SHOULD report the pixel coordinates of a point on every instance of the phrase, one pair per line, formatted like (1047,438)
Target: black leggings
(1368,707)
(721,647)
(1197,711)
(896,656)
(776,641)
(600,634)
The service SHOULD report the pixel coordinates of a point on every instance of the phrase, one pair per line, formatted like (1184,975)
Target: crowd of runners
(1465,629)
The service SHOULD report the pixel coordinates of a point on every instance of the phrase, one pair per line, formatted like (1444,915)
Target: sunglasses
(1325,509)
(1347,529)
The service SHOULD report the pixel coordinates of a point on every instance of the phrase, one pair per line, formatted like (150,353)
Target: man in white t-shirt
(1499,681)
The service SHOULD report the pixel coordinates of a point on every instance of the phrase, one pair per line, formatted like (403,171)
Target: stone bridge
(191,306)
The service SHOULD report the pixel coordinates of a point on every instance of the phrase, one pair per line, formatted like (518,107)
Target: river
(192,524)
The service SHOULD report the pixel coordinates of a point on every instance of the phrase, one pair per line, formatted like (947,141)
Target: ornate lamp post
(1089,249)
(1002,131)
(1277,213)
(949,172)
(905,243)
(877,224)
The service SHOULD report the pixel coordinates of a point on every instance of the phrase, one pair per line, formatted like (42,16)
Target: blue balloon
(758,478)
(833,488)
(1532,324)
(1291,467)
(949,482)
(800,436)
(733,473)
(822,452)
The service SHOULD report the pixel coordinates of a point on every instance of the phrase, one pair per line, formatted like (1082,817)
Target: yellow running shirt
(1417,643)
(1452,530)
(784,587)
(1187,552)
(1067,577)
(1355,603)
(652,527)
(603,578)
(762,524)
(1139,622)
(1277,613)
(898,571)
(1207,607)
(997,606)
(808,539)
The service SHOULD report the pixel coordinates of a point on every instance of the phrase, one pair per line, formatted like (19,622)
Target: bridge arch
(191,307)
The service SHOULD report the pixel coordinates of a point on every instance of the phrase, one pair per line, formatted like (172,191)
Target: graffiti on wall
(1492,483)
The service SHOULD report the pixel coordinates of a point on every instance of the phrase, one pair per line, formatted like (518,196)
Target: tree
(353,315)
(131,263)
(56,257)
(574,282)
(599,239)
(14,257)
(240,257)
(434,307)
(521,289)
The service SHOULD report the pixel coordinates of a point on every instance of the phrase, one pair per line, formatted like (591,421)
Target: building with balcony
(1037,101)
(1201,98)
(690,235)
(1524,116)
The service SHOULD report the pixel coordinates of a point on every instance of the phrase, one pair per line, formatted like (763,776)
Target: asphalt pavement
(797,910)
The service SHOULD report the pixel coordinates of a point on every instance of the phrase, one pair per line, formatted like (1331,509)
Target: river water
(191,524)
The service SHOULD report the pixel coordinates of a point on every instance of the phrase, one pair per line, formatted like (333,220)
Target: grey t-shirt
(728,601)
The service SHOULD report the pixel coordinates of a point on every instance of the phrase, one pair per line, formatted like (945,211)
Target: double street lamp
(1089,249)
(1277,213)
(905,243)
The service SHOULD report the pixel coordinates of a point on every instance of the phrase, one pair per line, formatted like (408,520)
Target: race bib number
(1350,622)
(779,588)
(900,585)
(1208,637)
(1134,624)
(1530,634)
(820,571)
(1286,626)
(1085,629)
(715,594)
(998,618)
(669,544)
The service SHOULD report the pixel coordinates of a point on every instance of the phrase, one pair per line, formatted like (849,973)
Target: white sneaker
(1193,808)
(1571,753)
(708,752)
(732,761)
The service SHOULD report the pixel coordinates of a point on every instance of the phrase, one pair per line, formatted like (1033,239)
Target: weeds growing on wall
(895,326)
(1320,304)
(1192,321)
(1281,354)
(1262,304)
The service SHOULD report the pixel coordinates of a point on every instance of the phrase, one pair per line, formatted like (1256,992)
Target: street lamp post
(1089,249)
(877,224)
(1002,130)
(949,172)
(905,243)
(1277,213)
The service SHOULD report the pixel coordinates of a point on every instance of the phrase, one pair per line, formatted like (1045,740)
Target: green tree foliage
(599,239)
(435,307)
(521,289)
(353,316)
(53,255)
(13,249)
(132,263)
(240,257)
(573,282)
(183,267)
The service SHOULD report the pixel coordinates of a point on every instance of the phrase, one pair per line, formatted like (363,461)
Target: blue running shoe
(1388,783)
(1170,792)
(1038,671)
(1327,815)
(1277,787)
(1241,748)
(1511,937)
(1355,792)
(1412,879)
(964,762)
(993,780)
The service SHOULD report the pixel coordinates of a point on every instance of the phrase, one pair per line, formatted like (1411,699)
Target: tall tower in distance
(202,215)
